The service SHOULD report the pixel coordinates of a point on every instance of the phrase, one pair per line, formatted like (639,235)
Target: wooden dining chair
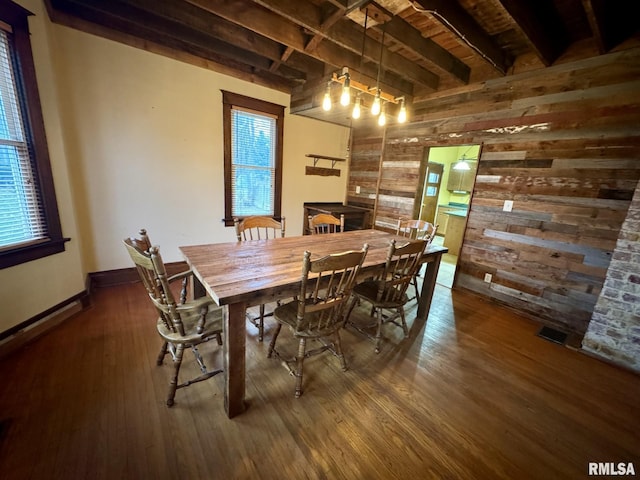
(325,223)
(388,290)
(416,230)
(143,242)
(319,310)
(258,228)
(180,325)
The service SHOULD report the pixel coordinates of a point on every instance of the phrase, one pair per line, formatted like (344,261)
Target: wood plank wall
(364,168)
(562,143)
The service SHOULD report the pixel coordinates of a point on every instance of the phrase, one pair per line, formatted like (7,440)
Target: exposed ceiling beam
(333,17)
(593,9)
(93,20)
(125,16)
(456,19)
(229,32)
(283,58)
(182,20)
(430,51)
(275,27)
(349,36)
(343,34)
(541,25)
(610,22)
(348,5)
(403,33)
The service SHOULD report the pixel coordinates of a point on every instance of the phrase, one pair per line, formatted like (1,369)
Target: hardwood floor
(472,393)
(447,269)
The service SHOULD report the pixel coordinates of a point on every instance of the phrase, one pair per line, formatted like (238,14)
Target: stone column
(614,330)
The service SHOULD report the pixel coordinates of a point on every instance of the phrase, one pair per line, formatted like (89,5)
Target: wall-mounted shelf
(324,172)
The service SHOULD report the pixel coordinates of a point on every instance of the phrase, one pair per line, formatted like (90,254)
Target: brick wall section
(614,330)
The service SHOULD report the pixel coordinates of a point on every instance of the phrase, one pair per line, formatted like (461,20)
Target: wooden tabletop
(242,274)
(259,270)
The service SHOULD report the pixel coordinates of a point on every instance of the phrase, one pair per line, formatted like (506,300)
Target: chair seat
(213,326)
(369,291)
(318,313)
(288,314)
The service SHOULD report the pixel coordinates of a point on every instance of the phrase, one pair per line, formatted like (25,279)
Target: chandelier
(380,98)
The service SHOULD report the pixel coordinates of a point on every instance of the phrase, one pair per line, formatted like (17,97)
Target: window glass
(21,218)
(29,220)
(253,132)
(432,191)
(433,178)
(253,160)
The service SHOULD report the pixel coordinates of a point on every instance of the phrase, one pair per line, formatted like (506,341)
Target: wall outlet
(358,189)
(488,277)
(508,206)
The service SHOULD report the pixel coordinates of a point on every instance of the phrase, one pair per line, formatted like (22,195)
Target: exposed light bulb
(326,101)
(345,98)
(382,118)
(356,108)
(402,116)
(375,108)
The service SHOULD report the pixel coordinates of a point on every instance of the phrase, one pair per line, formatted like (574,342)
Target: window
(252,157)
(29,221)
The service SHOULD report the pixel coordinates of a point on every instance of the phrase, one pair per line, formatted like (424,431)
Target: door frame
(423,171)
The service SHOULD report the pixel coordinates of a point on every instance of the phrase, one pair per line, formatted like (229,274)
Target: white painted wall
(31,288)
(136,141)
(145,136)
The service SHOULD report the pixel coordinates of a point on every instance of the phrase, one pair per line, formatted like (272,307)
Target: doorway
(449,177)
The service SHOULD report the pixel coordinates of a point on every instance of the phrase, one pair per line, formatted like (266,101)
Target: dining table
(238,275)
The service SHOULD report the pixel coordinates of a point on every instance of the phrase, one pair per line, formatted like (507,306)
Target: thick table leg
(234,358)
(428,285)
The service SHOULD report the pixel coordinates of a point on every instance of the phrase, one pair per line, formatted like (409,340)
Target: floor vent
(553,335)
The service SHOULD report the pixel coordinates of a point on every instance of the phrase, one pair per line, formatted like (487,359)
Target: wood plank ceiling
(413,49)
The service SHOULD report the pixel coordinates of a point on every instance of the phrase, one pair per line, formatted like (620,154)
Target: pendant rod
(364,36)
(380,60)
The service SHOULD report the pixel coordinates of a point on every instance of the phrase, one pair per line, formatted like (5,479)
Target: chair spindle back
(326,287)
(154,277)
(402,264)
(417,230)
(325,223)
(258,228)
